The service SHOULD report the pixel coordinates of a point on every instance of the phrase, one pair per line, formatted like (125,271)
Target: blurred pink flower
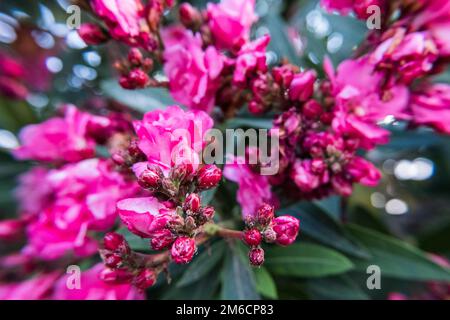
(360,7)
(251,58)
(84,199)
(192,71)
(125,20)
(254,189)
(145,217)
(37,288)
(57,139)
(33,200)
(363,171)
(172,136)
(230,21)
(93,288)
(431,107)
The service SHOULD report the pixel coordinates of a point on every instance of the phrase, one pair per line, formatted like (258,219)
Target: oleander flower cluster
(78,204)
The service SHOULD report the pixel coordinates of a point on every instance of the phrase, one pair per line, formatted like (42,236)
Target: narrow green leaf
(339,287)
(202,264)
(396,258)
(238,281)
(320,226)
(142,100)
(306,260)
(264,283)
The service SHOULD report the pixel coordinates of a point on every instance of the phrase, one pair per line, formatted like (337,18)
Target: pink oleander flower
(363,171)
(37,288)
(230,22)
(57,139)
(145,217)
(126,21)
(431,107)
(193,72)
(84,199)
(92,34)
(286,229)
(33,200)
(251,58)
(411,55)
(93,288)
(172,136)
(361,102)
(254,189)
(302,86)
(303,176)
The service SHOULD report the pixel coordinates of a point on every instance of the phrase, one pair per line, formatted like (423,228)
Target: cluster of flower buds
(123,266)
(134,70)
(264,226)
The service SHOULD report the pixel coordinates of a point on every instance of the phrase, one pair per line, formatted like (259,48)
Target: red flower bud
(150,179)
(252,237)
(256,256)
(116,276)
(269,235)
(11,229)
(136,78)
(190,17)
(182,172)
(256,107)
(183,250)
(265,214)
(286,228)
(312,109)
(113,261)
(135,56)
(116,242)
(145,279)
(207,213)
(162,239)
(208,176)
(92,34)
(192,202)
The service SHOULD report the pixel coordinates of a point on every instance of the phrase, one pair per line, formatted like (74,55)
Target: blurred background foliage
(339,237)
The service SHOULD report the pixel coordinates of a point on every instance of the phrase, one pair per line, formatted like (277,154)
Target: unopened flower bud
(182,172)
(116,276)
(162,239)
(286,228)
(150,179)
(256,107)
(169,187)
(135,56)
(256,256)
(145,279)
(252,237)
(183,250)
(302,86)
(207,213)
(265,214)
(192,202)
(312,109)
(113,260)
(190,17)
(269,235)
(189,223)
(92,34)
(116,242)
(208,176)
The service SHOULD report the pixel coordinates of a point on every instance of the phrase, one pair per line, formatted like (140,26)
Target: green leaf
(306,260)
(205,289)
(339,287)
(243,122)
(396,258)
(279,40)
(238,282)
(264,283)
(208,195)
(142,100)
(317,224)
(202,264)
(136,243)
